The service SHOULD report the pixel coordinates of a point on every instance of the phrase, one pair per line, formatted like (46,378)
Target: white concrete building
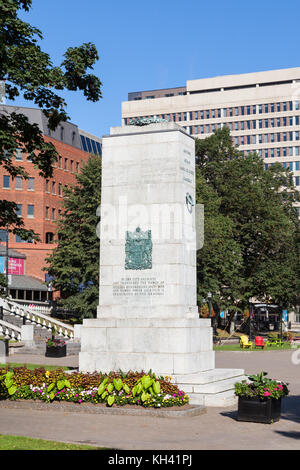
(261,110)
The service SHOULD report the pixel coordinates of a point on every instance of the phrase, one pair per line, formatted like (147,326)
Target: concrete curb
(89,408)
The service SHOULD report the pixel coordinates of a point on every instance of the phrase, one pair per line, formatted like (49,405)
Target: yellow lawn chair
(245,343)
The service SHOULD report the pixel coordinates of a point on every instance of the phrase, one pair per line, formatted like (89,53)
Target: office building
(262,111)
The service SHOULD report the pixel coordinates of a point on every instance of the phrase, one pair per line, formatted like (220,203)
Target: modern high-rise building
(39,202)
(262,111)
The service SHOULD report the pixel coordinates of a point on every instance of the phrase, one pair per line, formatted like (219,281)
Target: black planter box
(259,411)
(52,351)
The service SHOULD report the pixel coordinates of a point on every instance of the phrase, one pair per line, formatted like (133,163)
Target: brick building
(40,202)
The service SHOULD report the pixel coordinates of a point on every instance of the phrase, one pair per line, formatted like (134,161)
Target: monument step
(211,388)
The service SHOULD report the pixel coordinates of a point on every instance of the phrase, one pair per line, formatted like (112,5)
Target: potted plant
(55,347)
(259,398)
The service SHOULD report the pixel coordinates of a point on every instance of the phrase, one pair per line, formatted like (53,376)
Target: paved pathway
(217,429)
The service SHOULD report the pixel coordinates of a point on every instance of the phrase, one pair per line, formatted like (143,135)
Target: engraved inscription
(145,286)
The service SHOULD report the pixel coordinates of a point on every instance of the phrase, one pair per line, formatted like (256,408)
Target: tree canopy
(74,263)
(251,244)
(29,72)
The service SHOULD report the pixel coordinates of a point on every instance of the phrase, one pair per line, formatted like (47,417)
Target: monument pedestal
(147,316)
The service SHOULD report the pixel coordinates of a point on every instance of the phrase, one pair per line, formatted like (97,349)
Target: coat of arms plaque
(138,249)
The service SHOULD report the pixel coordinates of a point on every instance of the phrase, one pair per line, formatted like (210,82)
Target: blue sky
(160,44)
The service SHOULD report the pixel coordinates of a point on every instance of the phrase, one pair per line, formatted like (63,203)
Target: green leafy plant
(9,385)
(57,386)
(260,386)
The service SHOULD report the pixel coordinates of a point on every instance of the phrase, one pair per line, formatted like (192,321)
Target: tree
(28,71)
(264,225)
(74,263)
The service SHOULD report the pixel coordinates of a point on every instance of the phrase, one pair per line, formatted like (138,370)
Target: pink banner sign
(16,266)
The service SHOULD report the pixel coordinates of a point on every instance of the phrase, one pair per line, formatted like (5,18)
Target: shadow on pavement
(290,408)
(291,434)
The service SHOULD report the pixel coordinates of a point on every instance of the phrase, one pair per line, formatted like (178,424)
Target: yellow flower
(47,373)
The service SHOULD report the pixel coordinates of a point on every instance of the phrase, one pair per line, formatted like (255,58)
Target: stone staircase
(15,316)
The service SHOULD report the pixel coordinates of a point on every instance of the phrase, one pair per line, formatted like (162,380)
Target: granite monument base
(181,348)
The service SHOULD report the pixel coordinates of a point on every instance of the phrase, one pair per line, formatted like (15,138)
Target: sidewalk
(217,429)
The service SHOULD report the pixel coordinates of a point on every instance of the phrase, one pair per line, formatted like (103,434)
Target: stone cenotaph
(147,316)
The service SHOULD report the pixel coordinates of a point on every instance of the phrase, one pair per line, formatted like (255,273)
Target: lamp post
(213,323)
(6,260)
(250,316)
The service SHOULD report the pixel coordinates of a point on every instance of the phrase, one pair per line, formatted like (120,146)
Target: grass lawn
(28,443)
(236,347)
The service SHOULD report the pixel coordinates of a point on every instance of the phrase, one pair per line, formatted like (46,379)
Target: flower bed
(259,386)
(115,388)
(259,398)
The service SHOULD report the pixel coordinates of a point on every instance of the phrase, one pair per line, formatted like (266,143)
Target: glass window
(191,115)
(89,146)
(278,152)
(297,180)
(278,107)
(19,182)
(284,151)
(266,138)
(19,210)
(236,111)
(59,189)
(30,184)
(20,240)
(266,122)
(254,109)
(219,112)
(248,139)
(242,126)
(53,187)
(284,106)
(254,139)
(272,138)
(284,121)
(284,137)
(260,108)
(184,116)
(248,109)
(207,114)
(272,122)
(202,114)
(236,126)
(47,186)
(291,120)
(266,108)
(72,164)
(296,105)
(290,105)
(260,138)
(196,115)
(260,123)
(297,163)
(46,212)
(6,181)
(77,167)
(19,155)
(290,151)
(272,153)
(53,214)
(266,166)
(213,114)
(30,210)
(253,124)
(66,164)
(179,116)
(272,107)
